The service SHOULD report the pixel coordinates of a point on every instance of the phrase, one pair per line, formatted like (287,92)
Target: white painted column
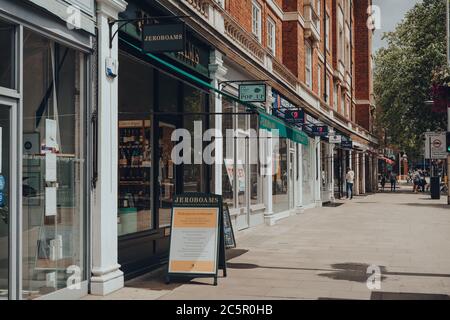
(363,184)
(357,173)
(218,72)
(268,172)
(299,183)
(106,274)
(331,171)
(317,173)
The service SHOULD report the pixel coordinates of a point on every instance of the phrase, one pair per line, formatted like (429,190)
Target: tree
(404,73)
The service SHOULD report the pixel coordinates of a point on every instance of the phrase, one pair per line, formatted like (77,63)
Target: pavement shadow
(356,272)
(156,279)
(429,205)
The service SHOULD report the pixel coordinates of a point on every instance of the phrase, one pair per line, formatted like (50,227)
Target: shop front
(241,182)
(155,99)
(293,180)
(341,161)
(44,86)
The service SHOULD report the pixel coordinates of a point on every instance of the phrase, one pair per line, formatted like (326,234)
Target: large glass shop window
(54,184)
(240,146)
(280,177)
(135,162)
(228,152)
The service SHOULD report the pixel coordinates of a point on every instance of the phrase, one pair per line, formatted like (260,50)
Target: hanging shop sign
(193,55)
(270,123)
(195,235)
(335,139)
(296,116)
(280,105)
(347,144)
(320,131)
(164,37)
(255,92)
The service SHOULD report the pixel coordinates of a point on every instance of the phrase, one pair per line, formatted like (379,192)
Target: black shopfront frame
(148,250)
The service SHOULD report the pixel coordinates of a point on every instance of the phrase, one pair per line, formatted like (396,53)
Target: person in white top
(350,179)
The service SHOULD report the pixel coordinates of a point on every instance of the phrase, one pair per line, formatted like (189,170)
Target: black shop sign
(164,37)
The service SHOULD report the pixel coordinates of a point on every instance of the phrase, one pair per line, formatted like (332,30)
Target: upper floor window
(308,64)
(256,20)
(318,7)
(271,34)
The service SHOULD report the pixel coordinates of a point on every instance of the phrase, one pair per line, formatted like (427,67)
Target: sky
(392,13)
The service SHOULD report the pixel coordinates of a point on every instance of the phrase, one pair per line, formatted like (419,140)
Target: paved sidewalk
(324,254)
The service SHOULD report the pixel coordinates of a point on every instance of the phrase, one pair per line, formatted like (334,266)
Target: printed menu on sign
(194,240)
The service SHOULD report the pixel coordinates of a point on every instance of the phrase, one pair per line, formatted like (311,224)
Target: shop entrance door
(8,200)
(166,178)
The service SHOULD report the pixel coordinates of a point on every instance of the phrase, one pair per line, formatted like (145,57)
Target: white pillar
(317,172)
(363,184)
(106,274)
(217,72)
(356,188)
(299,185)
(331,172)
(267,152)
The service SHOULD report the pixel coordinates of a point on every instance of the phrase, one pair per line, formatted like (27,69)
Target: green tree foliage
(403,76)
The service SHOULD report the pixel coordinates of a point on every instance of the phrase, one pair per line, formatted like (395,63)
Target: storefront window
(194,101)
(280,178)
(5,187)
(54,183)
(135,163)
(240,149)
(7,55)
(228,151)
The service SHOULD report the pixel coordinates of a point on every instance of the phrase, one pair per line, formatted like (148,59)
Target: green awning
(269,122)
(266,121)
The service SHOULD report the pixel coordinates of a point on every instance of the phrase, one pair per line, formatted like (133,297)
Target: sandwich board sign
(230,241)
(195,237)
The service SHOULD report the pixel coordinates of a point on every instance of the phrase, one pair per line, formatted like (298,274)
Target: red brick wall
(362,51)
(362,57)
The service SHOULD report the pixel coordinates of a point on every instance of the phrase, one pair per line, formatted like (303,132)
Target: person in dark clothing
(393,180)
(383,182)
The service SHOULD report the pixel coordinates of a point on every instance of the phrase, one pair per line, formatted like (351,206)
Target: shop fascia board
(59,9)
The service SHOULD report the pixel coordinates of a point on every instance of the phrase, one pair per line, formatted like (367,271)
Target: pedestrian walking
(350,179)
(383,182)
(416,181)
(393,180)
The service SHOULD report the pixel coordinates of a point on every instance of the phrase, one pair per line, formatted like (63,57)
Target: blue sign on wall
(347,144)
(2,199)
(320,131)
(281,105)
(2,183)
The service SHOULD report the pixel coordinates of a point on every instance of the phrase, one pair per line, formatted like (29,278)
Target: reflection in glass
(53,223)
(135,163)
(4,199)
(280,178)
